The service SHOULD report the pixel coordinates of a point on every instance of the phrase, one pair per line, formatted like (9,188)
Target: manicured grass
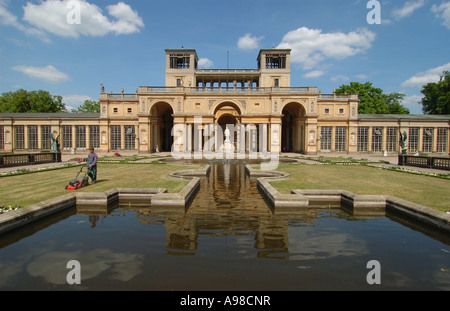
(32,188)
(360,179)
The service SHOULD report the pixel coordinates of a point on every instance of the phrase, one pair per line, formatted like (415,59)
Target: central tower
(273,71)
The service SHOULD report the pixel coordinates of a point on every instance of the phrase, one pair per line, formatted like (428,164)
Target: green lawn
(32,188)
(425,190)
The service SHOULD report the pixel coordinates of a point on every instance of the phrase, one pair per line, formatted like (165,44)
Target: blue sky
(121,43)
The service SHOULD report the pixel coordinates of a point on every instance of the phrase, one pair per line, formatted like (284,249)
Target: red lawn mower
(78,182)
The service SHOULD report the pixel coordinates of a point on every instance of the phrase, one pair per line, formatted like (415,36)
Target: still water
(227,239)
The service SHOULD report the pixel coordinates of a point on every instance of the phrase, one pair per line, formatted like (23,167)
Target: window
(94,136)
(325,138)
(442,139)
(67,137)
(427,139)
(19,131)
(46,137)
(116,137)
(2,137)
(277,82)
(180,61)
(275,61)
(377,139)
(391,139)
(179,83)
(327,111)
(130,138)
(32,137)
(341,111)
(116,110)
(413,140)
(80,137)
(341,138)
(130,110)
(363,139)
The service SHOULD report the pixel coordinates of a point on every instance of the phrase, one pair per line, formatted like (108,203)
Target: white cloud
(9,19)
(74,101)
(314,74)
(52,16)
(443,11)
(412,101)
(205,63)
(248,42)
(340,78)
(429,76)
(311,47)
(48,74)
(362,76)
(408,9)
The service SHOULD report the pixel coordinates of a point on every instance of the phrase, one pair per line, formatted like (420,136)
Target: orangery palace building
(297,119)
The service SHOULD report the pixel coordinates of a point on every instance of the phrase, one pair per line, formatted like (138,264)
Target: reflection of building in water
(222,209)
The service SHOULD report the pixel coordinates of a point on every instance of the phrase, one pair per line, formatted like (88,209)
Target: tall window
(442,139)
(377,139)
(67,137)
(391,139)
(130,138)
(32,137)
(2,137)
(116,137)
(427,139)
(325,138)
(46,137)
(19,131)
(94,136)
(363,139)
(80,137)
(413,140)
(341,138)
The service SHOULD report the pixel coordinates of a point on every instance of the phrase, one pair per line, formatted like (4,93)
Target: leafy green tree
(393,102)
(437,96)
(372,100)
(22,101)
(89,106)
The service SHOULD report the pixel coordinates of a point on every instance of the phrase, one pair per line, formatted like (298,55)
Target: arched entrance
(228,114)
(292,130)
(161,127)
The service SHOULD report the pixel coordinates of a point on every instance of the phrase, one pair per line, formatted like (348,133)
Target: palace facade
(296,119)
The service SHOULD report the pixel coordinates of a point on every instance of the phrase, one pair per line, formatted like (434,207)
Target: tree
(437,96)
(372,100)
(89,106)
(22,101)
(393,101)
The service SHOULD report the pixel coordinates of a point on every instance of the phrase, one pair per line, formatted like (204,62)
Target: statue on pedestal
(55,143)
(403,138)
(227,135)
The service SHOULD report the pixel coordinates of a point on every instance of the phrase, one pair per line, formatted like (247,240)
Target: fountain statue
(227,145)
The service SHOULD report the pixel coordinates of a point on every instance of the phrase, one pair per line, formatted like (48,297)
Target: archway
(228,114)
(292,129)
(161,127)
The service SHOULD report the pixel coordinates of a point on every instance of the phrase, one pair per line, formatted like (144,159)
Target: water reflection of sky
(287,249)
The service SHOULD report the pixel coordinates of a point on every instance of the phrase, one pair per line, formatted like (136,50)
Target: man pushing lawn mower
(78,183)
(92,165)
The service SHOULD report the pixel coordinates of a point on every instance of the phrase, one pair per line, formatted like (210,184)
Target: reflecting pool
(227,239)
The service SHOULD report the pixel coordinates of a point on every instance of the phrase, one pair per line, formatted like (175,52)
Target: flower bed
(5,209)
